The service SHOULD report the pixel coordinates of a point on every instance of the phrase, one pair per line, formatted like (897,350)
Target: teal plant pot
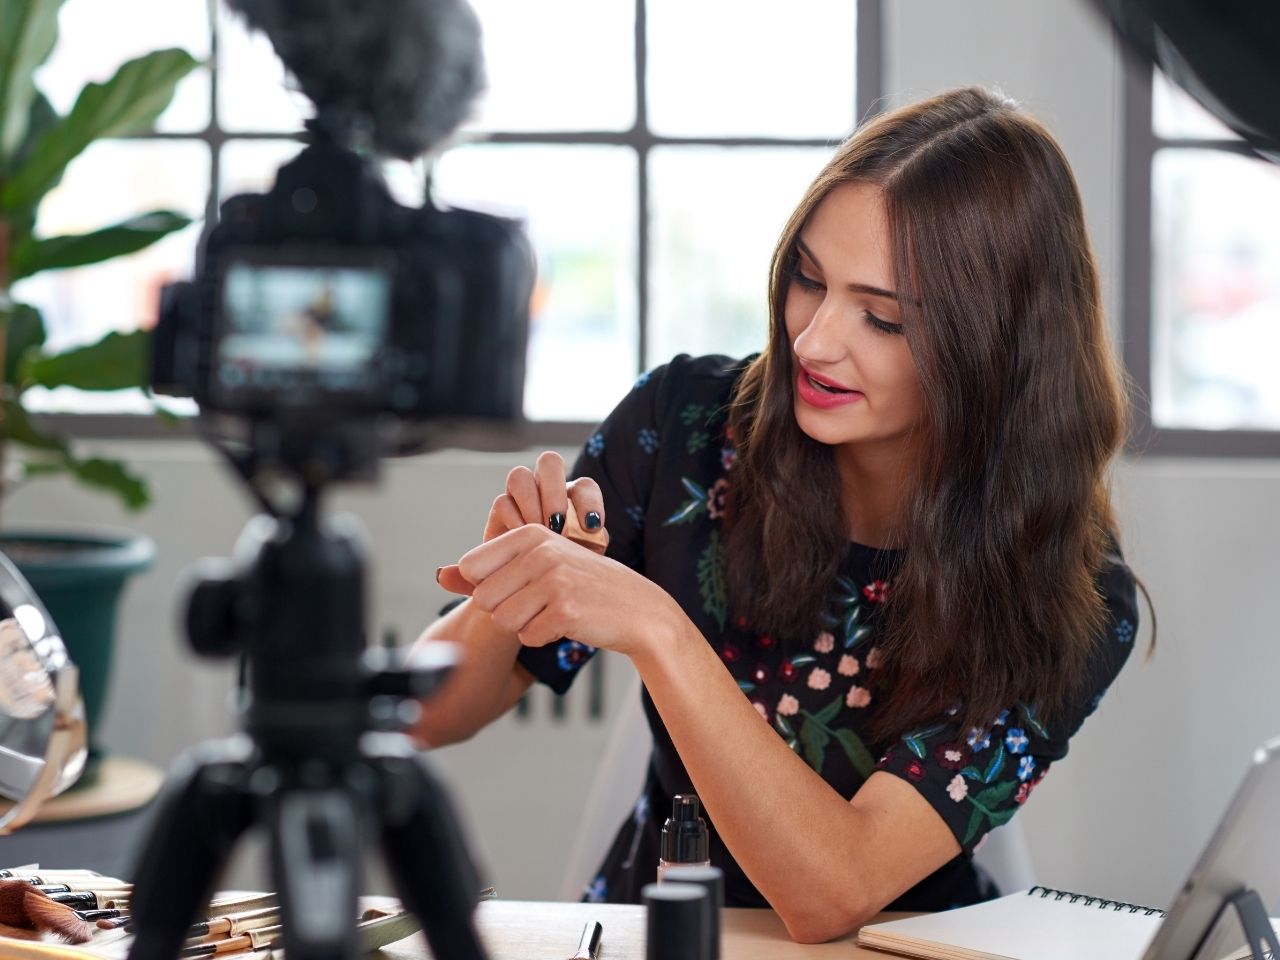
(80,578)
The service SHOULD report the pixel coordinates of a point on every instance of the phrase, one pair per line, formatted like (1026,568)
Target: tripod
(312,765)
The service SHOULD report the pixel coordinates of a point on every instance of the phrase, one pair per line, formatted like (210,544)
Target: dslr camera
(325,301)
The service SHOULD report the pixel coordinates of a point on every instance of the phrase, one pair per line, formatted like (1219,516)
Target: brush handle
(90,899)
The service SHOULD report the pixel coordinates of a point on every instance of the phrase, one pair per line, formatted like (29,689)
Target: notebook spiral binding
(1100,902)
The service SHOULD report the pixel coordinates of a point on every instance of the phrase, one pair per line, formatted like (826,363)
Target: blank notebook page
(1019,927)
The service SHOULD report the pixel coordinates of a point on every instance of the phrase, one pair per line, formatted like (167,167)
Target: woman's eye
(804,282)
(884,326)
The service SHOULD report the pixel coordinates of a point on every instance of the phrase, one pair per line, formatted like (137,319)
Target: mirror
(42,726)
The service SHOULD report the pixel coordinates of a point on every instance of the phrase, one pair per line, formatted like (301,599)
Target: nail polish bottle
(684,835)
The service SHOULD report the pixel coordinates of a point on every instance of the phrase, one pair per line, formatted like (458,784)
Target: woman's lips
(815,396)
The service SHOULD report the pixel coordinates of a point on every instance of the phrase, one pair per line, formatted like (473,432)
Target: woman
(867,577)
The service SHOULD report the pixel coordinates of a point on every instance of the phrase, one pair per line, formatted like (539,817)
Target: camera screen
(289,331)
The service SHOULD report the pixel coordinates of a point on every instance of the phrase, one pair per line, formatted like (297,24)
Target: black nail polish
(556,523)
(593,520)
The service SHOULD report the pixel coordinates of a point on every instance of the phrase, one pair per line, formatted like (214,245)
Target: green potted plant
(79,578)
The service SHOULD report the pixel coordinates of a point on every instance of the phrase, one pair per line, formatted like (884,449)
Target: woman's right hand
(543,496)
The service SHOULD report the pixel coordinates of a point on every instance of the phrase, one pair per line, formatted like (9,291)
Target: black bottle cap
(684,835)
(712,880)
(676,925)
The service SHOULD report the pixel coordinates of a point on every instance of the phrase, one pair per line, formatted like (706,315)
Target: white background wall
(1126,813)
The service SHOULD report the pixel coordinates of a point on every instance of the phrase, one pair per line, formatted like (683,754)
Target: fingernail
(439,570)
(593,520)
(556,523)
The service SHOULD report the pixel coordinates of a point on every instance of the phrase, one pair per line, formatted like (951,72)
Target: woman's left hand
(541,587)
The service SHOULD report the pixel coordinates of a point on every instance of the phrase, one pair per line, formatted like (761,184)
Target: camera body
(324,300)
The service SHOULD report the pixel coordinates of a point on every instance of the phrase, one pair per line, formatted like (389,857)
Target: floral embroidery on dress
(1124,631)
(980,766)
(571,654)
(648,439)
(595,445)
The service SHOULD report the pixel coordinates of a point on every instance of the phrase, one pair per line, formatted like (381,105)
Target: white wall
(1123,816)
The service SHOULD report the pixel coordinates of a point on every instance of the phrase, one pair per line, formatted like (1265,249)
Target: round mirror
(42,728)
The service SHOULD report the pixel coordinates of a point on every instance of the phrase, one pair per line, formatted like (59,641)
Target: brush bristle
(13,894)
(56,918)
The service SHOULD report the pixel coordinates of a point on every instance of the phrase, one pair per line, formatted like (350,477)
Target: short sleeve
(977,779)
(621,456)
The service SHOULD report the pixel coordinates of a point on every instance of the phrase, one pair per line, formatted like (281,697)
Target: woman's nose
(822,337)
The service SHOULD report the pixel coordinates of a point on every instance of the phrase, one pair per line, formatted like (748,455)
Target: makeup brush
(226,907)
(250,940)
(74,886)
(234,924)
(45,914)
(91,899)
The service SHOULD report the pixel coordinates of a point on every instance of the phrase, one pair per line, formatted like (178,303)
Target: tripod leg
(200,814)
(422,842)
(315,857)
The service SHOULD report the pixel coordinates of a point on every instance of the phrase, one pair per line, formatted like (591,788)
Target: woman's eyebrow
(855,287)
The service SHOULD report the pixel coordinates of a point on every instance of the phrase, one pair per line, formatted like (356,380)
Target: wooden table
(528,930)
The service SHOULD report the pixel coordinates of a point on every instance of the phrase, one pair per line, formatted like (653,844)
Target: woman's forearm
(824,864)
(484,685)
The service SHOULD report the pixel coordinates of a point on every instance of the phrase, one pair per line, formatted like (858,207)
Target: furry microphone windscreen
(407,70)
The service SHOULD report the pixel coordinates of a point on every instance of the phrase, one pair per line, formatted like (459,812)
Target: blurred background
(654,154)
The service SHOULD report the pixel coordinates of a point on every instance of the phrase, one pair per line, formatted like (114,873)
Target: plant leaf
(19,428)
(23,331)
(129,102)
(857,752)
(112,477)
(116,362)
(128,236)
(28,31)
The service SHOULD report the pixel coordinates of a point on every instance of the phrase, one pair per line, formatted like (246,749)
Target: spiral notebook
(1036,924)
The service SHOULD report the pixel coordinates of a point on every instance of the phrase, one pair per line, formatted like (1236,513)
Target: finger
(522,487)
(596,539)
(480,563)
(549,471)
(505,582)
(504,515)
(542,629)
(587,499)
(451,579)
(513,613)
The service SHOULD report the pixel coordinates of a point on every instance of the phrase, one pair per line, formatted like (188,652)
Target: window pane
(717,213)
(253,92)
(249,166)
(109,182)
(94,39)
(721,67)
(545,75)
(1178,114)
(1215,291)
(579,205)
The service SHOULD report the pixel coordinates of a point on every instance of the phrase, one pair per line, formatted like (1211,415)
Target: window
(653,149)
(1202,279)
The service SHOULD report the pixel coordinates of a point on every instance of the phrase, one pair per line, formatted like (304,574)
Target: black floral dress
(664,461)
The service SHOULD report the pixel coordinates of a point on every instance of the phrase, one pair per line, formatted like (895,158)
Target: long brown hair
(1007,513)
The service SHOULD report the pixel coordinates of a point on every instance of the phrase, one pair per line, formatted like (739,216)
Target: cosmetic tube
(712,878)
